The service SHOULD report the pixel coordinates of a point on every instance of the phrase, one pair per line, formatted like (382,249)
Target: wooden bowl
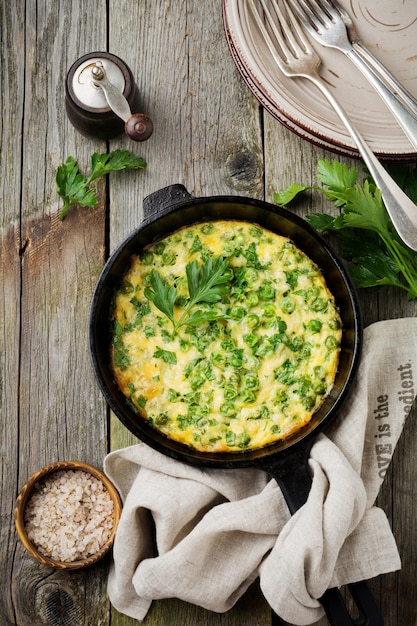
(28,490)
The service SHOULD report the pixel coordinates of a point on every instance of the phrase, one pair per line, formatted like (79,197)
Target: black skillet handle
(293,477)
(164,199)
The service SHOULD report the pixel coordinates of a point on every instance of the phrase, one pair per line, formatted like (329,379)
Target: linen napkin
(204,535)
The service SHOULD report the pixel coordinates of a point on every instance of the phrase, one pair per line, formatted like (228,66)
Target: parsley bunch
(207,284)
(363,227)
(74,188)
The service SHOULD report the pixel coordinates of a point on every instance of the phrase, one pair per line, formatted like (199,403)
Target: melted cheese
(254,375)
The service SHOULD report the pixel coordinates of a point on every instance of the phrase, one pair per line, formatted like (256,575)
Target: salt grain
(69,517)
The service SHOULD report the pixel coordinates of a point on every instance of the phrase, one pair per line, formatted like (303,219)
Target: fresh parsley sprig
(368,239)
(74,188)
(206,284)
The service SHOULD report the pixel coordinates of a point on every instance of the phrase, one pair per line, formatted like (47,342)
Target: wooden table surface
(210,135)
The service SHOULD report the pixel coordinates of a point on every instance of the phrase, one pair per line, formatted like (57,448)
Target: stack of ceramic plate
(387,27)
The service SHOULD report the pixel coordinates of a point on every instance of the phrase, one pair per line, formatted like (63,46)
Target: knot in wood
(243,166)
(58,606)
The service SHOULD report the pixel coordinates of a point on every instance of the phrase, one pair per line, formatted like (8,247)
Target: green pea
(248,396)
(228,344)
(236,360)
(147,258)
(230,438)
(251,382)
(228,409)
(269,310)
(196,381)
(319,304)
(252,362)
(252,321)
(263,349)
(168,258)
(287,304)
(331,343)
(251,275)
(305,351)
(251,339)
(127,287)
(314,326)
(334,323)
(161,419)
(267,291)
(321,388)
(230,393)
(159,247)
(252,299)
(237,312)
(218,359)
(309,401)
(296,343)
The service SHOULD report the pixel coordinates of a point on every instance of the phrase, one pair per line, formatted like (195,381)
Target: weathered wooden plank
(296,161)
(208,137)
(11,91)
(207,129)
(49,401)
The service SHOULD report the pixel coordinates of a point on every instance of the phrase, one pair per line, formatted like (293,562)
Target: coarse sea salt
(69,517)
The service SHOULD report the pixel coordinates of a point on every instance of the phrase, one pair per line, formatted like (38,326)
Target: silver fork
(295,57)
(408,99)
(329,24)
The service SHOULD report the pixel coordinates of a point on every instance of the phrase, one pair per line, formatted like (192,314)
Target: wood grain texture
(49,270)
(211,136)
(207,136)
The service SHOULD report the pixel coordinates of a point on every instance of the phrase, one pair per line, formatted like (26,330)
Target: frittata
(225,336)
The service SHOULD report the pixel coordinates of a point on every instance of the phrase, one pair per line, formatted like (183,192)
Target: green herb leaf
(369,241)
(321,221)
(74,188)
(165,355)
(102,164)
(335,175)
(289,193)
(162,294)
(196,318)
(206,284)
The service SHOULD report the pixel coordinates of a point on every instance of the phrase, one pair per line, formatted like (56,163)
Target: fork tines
(282,32)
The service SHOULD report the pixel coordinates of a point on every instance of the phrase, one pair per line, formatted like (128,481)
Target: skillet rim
(149,230)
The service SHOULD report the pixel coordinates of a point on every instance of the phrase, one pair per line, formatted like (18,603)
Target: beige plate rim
(387,27)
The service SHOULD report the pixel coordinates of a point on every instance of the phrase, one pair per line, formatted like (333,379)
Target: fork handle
(401,209)
(405,114)
(375,64)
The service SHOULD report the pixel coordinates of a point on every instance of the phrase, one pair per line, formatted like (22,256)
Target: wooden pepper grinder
(100,94)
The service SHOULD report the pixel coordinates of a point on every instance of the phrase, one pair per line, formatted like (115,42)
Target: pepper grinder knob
(137,126)
(100,96)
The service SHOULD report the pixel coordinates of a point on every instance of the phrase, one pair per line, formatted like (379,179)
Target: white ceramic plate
(387,27)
